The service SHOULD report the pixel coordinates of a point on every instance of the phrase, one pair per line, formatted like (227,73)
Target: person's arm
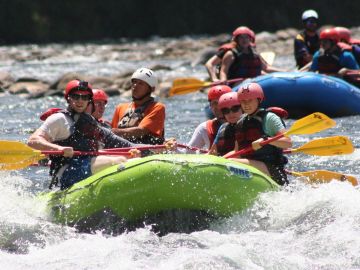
(306,67)
(40,140)
(211,67)
(199,136)
(269,68)
(225,65)
(274,126)
(314,64)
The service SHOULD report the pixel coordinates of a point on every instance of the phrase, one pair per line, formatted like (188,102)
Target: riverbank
(166,55)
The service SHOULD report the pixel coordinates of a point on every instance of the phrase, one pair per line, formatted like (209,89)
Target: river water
(298,227)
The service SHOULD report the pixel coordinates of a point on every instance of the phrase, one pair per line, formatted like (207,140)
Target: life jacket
(329,63)
(312,44)
(245,65)
(227,46)
(226,139)
(353,48)
(212,127)
(132,118)
(249,129)
(84,136)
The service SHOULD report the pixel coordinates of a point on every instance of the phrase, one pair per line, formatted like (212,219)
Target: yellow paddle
(323,176)
(310,124)
(17,155)
(329,146)
(269,57)
(184,86)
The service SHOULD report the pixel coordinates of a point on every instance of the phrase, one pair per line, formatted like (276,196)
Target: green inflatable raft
(127,195)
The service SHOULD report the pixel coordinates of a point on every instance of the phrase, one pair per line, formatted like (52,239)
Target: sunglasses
(78,97)
(233,109)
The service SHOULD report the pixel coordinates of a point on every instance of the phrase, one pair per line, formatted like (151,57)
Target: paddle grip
(191,148)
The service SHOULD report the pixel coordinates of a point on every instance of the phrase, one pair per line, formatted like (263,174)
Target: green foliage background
(43,21)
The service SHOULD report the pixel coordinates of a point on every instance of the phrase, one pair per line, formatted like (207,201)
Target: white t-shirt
(58,126)
(200,138)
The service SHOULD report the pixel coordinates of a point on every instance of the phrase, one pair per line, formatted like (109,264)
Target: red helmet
(99,94)
(343,33)
(250,91)
(77,85)
(228,100)
(217,91)
(243,30)
(331,34)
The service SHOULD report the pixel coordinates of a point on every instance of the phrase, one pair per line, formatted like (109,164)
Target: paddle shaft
(249,149)
(191,148)
(140,148)
(88,153)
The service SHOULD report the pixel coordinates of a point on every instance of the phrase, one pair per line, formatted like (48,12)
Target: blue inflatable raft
(302,93)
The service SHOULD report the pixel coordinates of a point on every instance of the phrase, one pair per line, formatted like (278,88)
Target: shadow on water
(162,223)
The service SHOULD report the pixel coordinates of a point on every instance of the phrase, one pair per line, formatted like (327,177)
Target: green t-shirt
(272,124)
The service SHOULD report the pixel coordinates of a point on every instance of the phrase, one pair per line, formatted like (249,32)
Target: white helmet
(146,75)
(310,13)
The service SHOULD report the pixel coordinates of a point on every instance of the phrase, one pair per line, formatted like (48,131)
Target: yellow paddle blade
(186,81)
(310,124)
(329,146)
(323,176)
(186,89)
(17,155)
(269,57)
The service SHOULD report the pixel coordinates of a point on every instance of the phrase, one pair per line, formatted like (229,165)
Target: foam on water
(300,227)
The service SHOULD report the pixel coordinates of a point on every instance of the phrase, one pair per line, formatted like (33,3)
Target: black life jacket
(250,128)
(226,139)
(84,136)
(132,118)
(312,44)
(245,65)
(212,127)
(329,63)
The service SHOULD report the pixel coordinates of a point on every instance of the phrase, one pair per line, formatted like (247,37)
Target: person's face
(326,44)
(311,24)
(139,88)
(215,109)
(243,40)
(249,106)
(100,106)
(232,115)
(79,102)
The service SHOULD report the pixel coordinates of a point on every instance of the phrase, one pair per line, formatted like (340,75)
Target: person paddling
(213,65)
(204,134)
(347,43)
(243,61)
(331,59)
(224,142)
(72,130)
(307,42)
(255,125)
(143,119)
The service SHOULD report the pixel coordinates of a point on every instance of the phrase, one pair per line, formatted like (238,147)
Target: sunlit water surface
(298,227)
